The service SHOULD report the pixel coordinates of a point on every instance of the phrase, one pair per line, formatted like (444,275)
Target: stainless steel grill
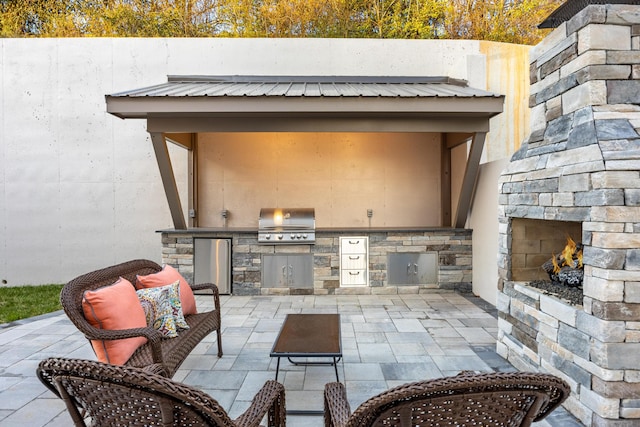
(287,226)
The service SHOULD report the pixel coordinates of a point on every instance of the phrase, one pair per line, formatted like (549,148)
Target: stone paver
(387,340)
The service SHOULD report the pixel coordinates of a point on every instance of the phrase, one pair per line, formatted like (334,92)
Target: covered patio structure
(187,106)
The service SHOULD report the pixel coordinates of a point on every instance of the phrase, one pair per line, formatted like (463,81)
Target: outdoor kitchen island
(419,259)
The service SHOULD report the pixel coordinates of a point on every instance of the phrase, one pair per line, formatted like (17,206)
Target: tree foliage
(512,21)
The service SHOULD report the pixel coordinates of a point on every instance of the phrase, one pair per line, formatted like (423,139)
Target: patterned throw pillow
(162,309)
(168,275)
(176,305)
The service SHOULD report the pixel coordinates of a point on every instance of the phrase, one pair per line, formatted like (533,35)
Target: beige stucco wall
(80,189)
(341,175)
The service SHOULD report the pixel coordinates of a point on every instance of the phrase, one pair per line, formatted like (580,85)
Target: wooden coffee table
(309,335)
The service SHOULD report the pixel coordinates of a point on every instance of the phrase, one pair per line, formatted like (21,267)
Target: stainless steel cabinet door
(212,262)
(274,271)
(287,271)
(412,268)
(300,271)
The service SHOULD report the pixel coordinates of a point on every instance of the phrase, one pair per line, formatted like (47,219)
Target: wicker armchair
(99,394)
(490,399)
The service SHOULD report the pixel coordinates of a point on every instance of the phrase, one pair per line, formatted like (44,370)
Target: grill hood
(287,225)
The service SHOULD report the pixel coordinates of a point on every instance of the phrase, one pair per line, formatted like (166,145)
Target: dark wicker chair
(489,399)
(99,394)
(168,352)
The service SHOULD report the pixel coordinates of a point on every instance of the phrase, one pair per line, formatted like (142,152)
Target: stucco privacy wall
(79,189)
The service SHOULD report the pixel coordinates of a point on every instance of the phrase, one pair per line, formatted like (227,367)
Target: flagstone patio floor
(387,340)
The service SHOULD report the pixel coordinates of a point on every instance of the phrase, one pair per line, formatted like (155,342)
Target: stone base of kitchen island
(452,246)
(360,290)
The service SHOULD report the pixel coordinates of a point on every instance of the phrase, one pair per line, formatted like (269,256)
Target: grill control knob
(267,236)
(304,236)
(280,236)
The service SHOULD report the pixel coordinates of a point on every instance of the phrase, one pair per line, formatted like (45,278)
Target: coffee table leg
(278,368)
(334,363)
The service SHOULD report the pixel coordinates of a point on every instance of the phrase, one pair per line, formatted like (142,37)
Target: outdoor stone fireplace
(578,175)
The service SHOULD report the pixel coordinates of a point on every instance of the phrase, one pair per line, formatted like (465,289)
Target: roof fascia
(144,107)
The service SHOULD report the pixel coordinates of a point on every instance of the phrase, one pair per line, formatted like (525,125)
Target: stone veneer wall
(453,247)
(539,332)
(582,163)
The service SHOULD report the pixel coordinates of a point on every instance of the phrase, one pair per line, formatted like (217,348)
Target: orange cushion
(115,307)
(167,276)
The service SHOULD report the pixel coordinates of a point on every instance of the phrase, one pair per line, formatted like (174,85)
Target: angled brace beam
(168,180)
(469,180)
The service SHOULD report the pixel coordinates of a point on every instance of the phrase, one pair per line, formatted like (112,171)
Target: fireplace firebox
(535,241)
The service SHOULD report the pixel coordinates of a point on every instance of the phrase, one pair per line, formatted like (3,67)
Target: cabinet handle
(415,269)
(354,274)
(354,243)
(408,268)
(354,257)
(290,270)
(284,271)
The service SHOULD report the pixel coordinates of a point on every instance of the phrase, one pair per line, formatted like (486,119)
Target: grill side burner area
(287,226)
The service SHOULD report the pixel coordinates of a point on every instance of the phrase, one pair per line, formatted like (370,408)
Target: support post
(445,181)
(168,179)
(469,180)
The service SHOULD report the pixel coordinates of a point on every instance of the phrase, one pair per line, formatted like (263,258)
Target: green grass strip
(21,302)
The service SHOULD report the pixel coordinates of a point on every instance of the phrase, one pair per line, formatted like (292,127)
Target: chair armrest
(153,336)
(202,286)
(336,405)
(214,290)
(47,379)
(269,399)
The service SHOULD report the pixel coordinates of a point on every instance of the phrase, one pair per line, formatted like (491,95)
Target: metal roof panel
(300,86)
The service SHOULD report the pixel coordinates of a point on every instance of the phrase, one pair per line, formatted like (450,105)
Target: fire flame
(569,250)
(569,257)
(556,267)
